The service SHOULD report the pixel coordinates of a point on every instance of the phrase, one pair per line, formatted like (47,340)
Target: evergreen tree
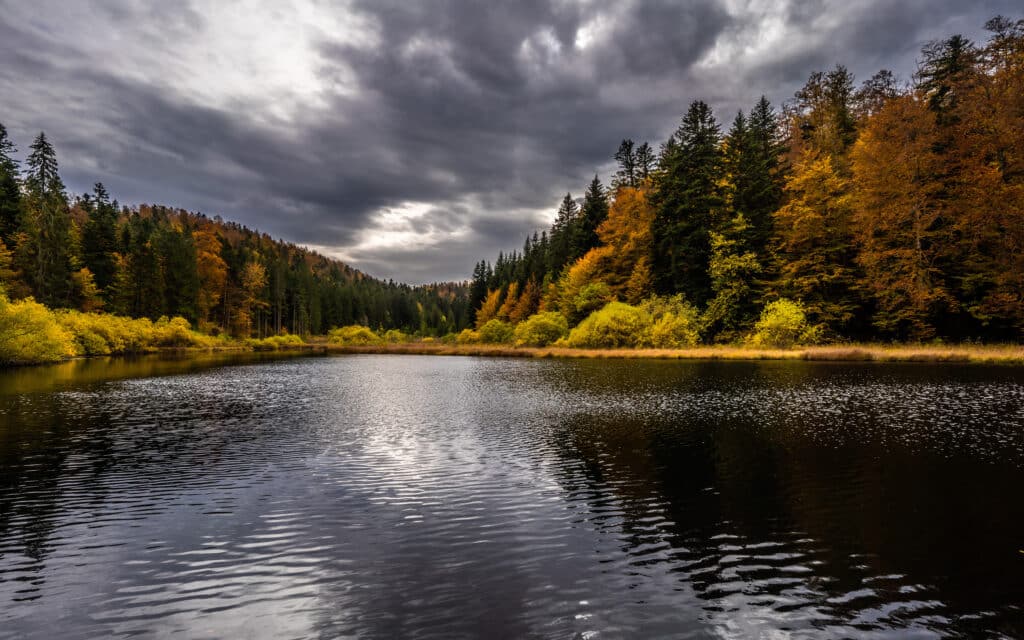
(627,172)
(686,193)
(645,163)
(593,213)
(560,245)
(48,225)
(10,194)
(99,237)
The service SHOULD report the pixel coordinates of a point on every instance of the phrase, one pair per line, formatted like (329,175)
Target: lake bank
(988,354)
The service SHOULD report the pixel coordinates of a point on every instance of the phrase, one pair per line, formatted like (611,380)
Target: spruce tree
(686,193)
(626,157)
(99,238)
(10,194)
(593,213)
(48,225)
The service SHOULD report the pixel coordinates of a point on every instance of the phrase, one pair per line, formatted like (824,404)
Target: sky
(412,138)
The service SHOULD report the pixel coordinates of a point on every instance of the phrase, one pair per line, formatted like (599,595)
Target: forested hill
(88,252)
(892,210)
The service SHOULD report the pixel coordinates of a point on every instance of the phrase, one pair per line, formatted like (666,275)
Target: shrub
(448,338)
(274,343)
(468,336)
(541,329)
(674,323)
(30,333)
(393,336)
(353,335)
(616,325)
(782,324)
(495,332)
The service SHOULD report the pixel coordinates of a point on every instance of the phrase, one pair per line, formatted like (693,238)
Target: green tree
(592,214)
(99,238)
(687,190)
(626,175)
(48,224)
(10,194)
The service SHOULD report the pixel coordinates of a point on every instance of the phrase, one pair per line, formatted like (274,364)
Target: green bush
(616,325)
(353,335)
(675,324)
(468,336)
(541,329)
(496,331)
(782,324)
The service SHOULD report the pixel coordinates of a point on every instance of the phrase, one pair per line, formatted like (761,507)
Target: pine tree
(99,237)
(48,225)
(10,194)
(560,244)
(626,176)
(686,192)
(645,163)
(593,213)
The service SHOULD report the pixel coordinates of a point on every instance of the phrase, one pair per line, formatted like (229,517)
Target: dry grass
(1004,354)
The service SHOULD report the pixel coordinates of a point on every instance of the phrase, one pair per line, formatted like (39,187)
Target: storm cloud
(411,139)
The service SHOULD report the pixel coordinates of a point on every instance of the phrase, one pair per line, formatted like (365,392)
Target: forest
(91,254)
(888,211)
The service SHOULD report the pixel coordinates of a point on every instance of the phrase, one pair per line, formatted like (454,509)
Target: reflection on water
(391,496)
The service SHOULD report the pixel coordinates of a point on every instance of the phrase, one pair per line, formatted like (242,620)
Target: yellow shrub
(541,329)
(495,332)
(616,325)
(468,336)
(782,324)
(30,333)
(394,336)
(353,335)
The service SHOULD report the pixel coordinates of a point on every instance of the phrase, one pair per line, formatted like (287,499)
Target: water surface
(450,497)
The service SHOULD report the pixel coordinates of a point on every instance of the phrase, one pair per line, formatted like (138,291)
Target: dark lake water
(452,497)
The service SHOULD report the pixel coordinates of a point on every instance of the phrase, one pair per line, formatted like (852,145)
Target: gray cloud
(412,138)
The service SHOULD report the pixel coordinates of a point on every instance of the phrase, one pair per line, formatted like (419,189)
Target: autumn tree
(488,308)
(898,219)
(511,299)
(210,269)
(814,244)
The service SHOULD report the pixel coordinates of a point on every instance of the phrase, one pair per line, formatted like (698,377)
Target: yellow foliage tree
(511,299)
(488,308)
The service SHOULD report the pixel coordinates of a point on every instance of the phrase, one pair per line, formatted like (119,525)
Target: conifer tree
(48,225)
(99,237)
(686,193)
(10,194)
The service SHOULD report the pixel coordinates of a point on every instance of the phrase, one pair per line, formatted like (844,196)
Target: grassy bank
(1002,354)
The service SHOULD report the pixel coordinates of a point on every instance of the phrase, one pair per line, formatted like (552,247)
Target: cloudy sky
(411,138)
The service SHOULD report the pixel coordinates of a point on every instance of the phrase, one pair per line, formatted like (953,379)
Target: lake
(383,496)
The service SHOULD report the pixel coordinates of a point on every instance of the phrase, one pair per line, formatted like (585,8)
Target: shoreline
(994,354)
(1012,355)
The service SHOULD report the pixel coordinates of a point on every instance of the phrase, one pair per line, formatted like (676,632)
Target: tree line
(91,254)
(889,210)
